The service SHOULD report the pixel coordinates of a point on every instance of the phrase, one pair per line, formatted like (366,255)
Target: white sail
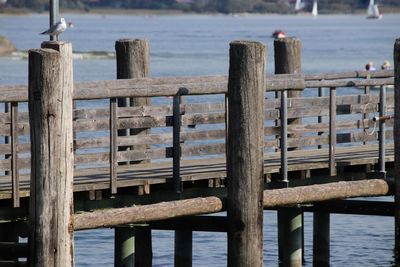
(373,10)
(314,11)
(298,5)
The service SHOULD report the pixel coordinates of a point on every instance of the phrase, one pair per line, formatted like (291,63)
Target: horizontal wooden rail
(272,198)
(169,86)
(153,212)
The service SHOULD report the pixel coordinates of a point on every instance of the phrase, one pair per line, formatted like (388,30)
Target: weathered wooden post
(51,194)
(245,153)
(290,220)
(133,62)
(396,135)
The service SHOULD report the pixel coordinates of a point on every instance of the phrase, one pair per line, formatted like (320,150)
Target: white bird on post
(56,29)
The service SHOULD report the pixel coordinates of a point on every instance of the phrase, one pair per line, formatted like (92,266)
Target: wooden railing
(195,129)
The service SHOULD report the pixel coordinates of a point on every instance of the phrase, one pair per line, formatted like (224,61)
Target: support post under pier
(132,62)
(183,248)
(245,144)
(290,240)
(321,239)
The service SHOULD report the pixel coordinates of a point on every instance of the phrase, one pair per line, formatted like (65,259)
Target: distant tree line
(222,6)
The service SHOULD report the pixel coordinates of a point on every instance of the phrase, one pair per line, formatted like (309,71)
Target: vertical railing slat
(320,118)
(176,144)
(284,136)
(332,131)
(382,128)
(113,145)
(366,92)
(7,138)
(14,154)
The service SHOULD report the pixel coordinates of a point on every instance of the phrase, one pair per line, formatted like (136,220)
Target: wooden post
(288,60)
(133,62)
(50,116)
(143,246)
(183,248)
(321,239)
(396,135)
(290,238)
(245,153)
(124,246)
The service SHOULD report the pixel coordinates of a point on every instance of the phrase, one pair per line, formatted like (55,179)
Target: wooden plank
(144,111)
(5,149)
(202,150)
(91,114)
(204,107)
(19,93)
(92,142)
(349,74)
(322,127)
(300,102)
(166,138)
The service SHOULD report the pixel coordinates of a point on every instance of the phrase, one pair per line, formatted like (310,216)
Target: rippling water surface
(198,45)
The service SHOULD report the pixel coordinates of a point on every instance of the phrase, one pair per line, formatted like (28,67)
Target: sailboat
(314,11)
(298,6)
(373,11)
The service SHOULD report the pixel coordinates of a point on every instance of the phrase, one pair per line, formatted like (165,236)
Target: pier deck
(204,169)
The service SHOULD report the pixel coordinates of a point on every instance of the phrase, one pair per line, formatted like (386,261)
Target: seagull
(57,28)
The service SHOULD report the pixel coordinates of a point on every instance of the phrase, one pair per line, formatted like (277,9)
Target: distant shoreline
(120,11)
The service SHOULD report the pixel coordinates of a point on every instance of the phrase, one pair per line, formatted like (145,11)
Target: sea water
(192,45)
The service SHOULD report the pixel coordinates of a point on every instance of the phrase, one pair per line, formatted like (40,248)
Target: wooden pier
(162,151)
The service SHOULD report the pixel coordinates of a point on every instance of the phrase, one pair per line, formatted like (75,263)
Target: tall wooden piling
(245,153)
(133,62)
(290,221)
(396,137)
(288,59)
(50,117)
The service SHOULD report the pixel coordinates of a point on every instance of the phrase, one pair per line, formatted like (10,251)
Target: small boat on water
(277,34)
(373,11)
